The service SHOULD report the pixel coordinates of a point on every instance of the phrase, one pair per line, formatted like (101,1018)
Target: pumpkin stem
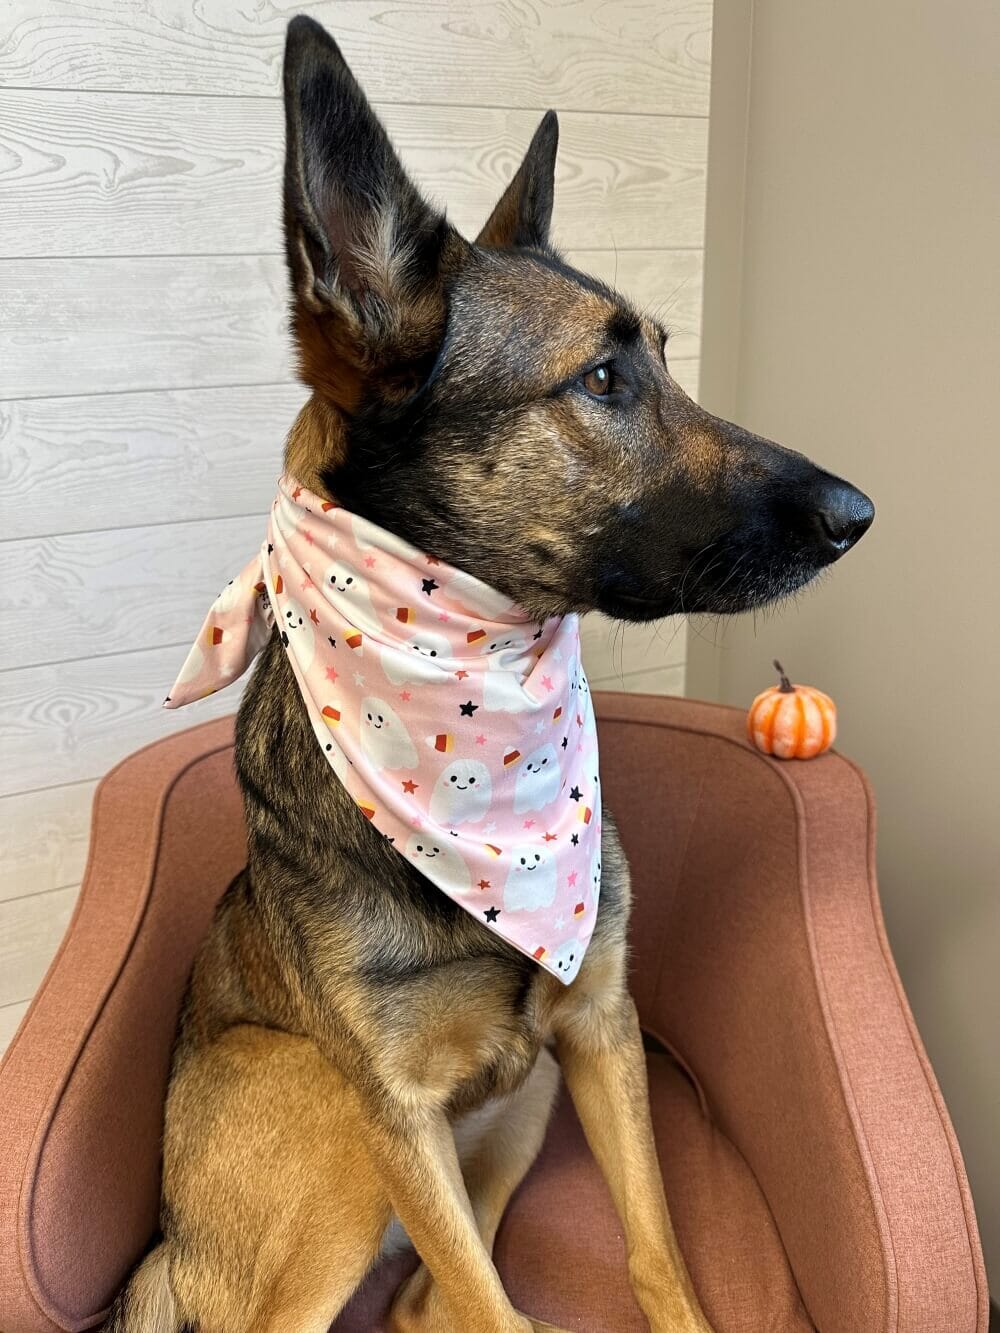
(786,685)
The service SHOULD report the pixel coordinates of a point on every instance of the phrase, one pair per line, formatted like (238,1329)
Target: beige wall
(853,312)
(144,375)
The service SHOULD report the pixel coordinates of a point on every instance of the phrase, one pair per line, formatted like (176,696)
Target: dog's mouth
(733,581)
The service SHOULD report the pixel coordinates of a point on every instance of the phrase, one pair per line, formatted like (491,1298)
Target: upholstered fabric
(811,1167)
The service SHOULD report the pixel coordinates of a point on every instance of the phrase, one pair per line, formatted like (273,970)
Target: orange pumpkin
(792,721)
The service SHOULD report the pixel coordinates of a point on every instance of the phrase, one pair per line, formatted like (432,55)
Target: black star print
(491,913)
(331,641)
(575,793)
(575,839)
(565,742)
(467,709)
(270,548)
(538,635)
(429,586)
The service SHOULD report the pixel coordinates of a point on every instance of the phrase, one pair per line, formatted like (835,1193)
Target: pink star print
(406,696)
(571,879)
(480,740)
(297,492)
(444,616)
(370,561)
(331,675)
(551,837)
(529,823)
(307,583)
(309,538)
(547,682)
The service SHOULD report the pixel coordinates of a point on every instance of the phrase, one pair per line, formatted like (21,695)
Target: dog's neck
(316,442)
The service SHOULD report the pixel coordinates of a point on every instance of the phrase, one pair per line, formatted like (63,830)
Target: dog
(348,1030)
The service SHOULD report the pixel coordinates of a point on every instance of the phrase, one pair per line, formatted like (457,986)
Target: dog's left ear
(524,213)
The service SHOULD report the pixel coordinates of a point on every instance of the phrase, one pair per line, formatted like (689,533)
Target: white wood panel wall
(142,328)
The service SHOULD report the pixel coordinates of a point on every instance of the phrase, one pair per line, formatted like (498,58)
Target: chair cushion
(561,1252)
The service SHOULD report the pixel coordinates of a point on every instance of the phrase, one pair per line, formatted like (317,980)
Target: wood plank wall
(145,382)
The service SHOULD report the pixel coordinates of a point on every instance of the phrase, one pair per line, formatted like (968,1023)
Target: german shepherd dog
(347,1026)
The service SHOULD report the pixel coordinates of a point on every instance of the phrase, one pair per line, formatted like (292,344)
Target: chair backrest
(82,1085)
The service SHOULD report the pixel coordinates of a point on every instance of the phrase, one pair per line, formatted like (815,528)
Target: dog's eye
(598,381)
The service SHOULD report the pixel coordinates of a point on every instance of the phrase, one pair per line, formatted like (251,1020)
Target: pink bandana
(463,730)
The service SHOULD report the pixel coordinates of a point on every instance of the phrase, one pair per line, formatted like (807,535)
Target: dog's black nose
(841,515)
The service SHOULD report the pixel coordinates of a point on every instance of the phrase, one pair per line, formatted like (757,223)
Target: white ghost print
(595,875)
(348,592)
(385,742)
(531,880)
(477,597)
(538,780)
(586,706)
(297,633)
(416,659)
(368,537)
(503,691)
(567,959)
(436,858)
(462,793)
(192,665)
(228,597)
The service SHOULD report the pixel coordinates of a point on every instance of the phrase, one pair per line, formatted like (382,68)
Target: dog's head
(507,413)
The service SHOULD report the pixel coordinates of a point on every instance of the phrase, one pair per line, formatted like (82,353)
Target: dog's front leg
(415,1154)
(604,1065)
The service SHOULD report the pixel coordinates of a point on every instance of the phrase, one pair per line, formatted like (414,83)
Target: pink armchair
(813,1174)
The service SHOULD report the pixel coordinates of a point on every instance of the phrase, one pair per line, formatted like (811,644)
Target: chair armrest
(761,961)
(82,1084)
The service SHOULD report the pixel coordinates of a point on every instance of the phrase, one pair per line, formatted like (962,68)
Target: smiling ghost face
(384,740)
(567,959)
(435,858)
(348,591)
(416,659)
(531,880)
(461,794)
(297,633)
(538,780)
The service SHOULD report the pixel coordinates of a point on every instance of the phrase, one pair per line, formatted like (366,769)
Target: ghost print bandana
(461,728)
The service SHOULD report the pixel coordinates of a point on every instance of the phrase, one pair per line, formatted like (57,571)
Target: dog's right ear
(524,213)
(368,258)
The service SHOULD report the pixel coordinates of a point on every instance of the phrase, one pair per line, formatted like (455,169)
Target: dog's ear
(524,213)
(368,257)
